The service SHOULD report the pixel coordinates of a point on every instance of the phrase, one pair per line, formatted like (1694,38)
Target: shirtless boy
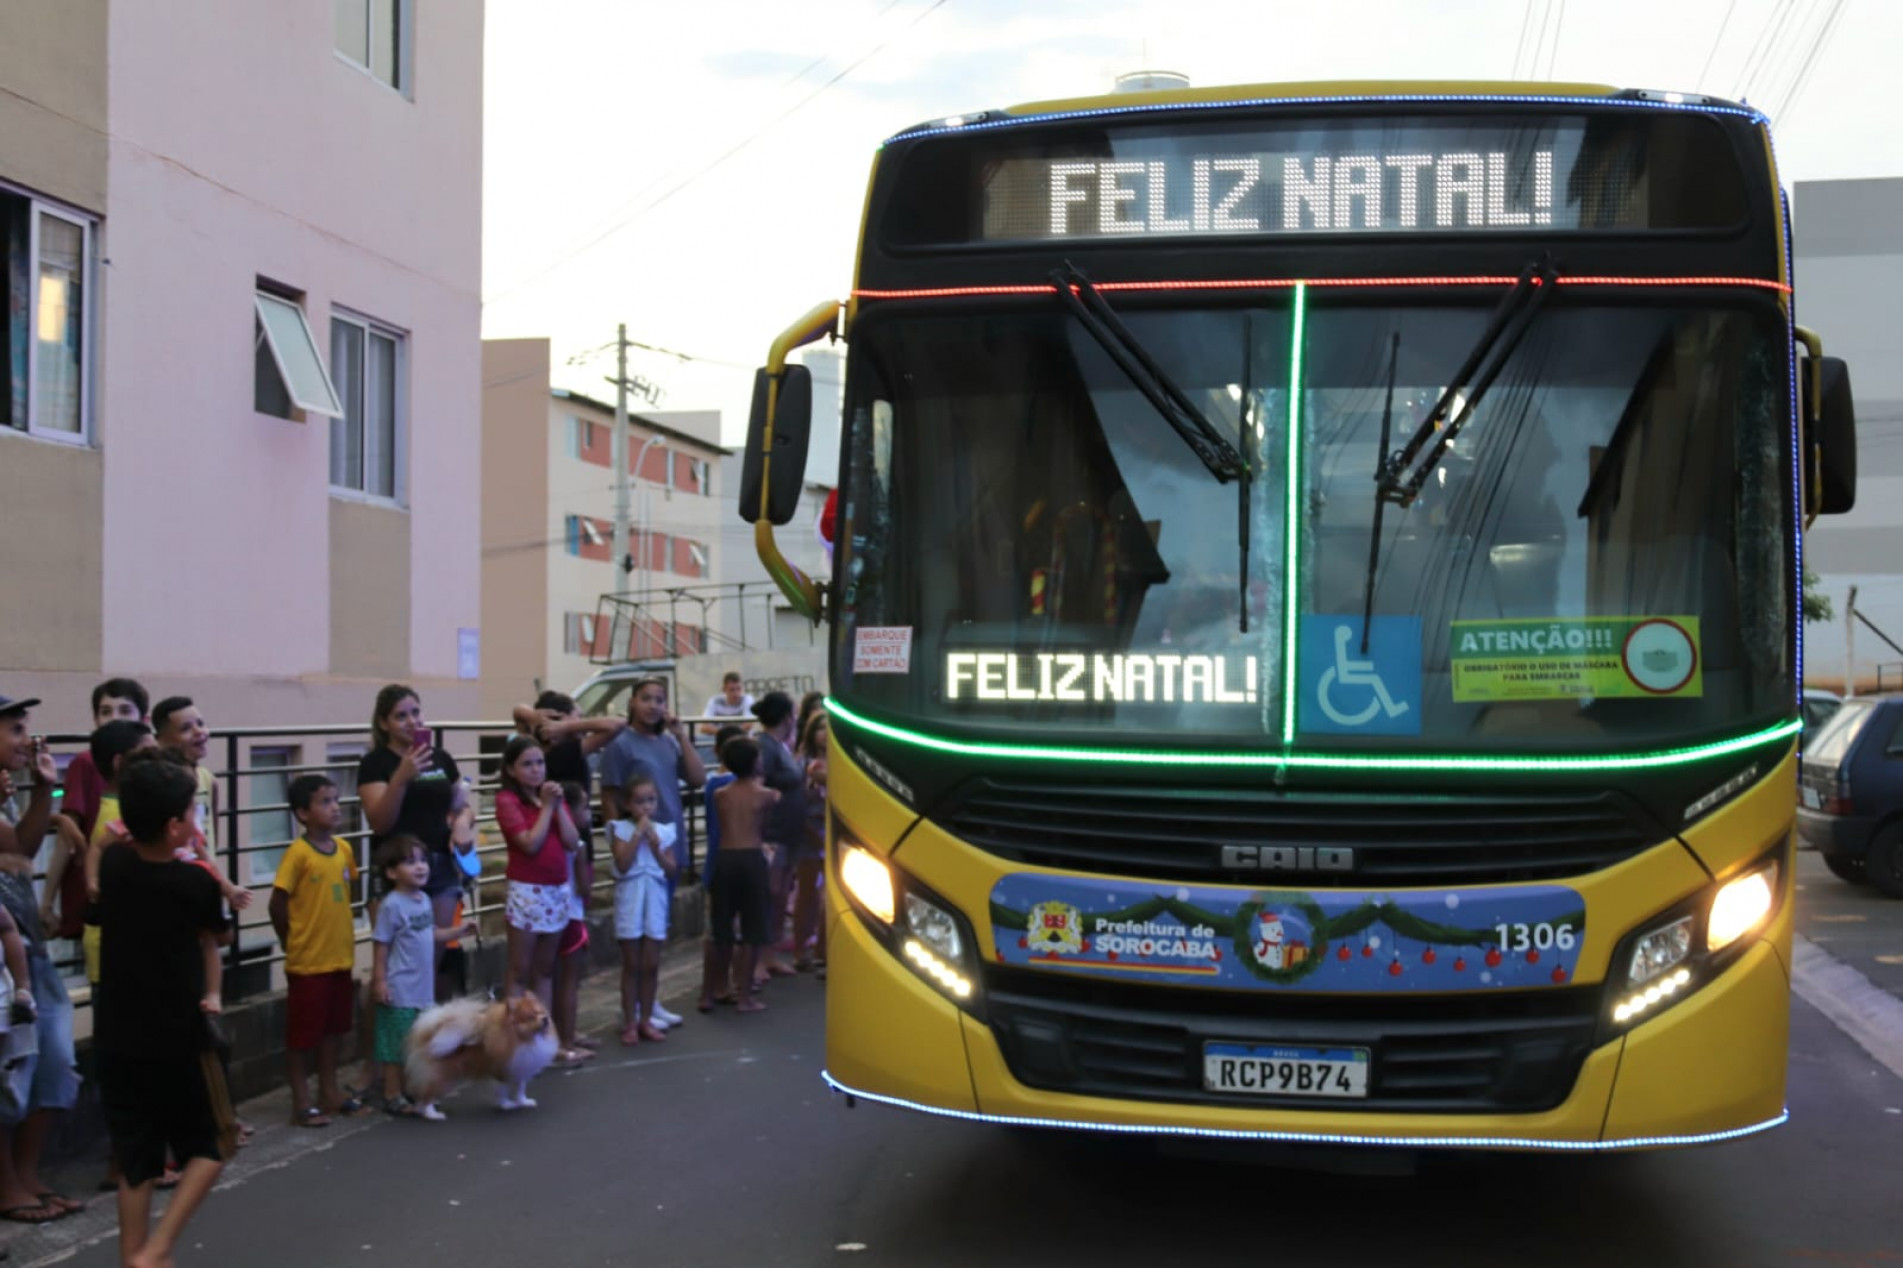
(740,884)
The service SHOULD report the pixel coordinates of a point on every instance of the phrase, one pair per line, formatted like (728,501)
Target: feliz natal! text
(1133,678)
(1468,189)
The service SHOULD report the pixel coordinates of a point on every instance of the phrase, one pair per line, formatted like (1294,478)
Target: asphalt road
(724,1148)
(1857,925)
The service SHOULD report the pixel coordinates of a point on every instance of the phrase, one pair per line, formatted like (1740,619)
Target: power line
(1730,8)
(1761,50)
(1772,72)
(1519,45)
(609,217)
(732,150)
(1559,27)
(1804,70)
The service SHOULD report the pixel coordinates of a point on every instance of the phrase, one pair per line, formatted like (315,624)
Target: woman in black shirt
(408,786)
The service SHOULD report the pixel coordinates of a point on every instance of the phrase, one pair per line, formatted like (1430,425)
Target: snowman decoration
(1269,938)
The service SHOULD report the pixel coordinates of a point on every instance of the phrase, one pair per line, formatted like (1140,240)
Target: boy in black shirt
(162,1083)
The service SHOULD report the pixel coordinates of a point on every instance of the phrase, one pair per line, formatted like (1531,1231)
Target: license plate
(1283,1070)
(1811,797)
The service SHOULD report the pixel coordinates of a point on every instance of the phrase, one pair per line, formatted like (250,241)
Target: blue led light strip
(1102,112)
(1322,1138)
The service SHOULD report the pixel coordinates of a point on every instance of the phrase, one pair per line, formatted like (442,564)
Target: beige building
(548,503)
(240,353)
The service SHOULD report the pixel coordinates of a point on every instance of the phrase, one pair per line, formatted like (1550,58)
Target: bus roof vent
(1151,80)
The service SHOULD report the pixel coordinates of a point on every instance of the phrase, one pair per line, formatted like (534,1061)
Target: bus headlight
(1676,954)
(1741,907)
(920,929)
(934,926)
(868,881)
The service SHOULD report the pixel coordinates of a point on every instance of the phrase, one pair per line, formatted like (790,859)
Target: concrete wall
(1849,245)
(53,118)
(515,533)
(53,114)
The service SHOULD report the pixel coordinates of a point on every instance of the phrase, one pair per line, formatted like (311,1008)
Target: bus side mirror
(787,428)
(1830,468)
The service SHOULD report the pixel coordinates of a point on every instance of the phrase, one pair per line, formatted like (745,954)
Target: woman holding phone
(409,786)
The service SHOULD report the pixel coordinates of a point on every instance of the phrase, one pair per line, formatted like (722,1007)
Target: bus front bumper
(1709,1068)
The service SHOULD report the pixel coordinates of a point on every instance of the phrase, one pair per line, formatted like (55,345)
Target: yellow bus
(1315,615)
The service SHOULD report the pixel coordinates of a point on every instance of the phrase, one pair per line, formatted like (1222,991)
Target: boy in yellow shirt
(310,909)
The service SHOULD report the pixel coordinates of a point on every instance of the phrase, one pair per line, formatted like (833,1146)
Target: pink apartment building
(240,365)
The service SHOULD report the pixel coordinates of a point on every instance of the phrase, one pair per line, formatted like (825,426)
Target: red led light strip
(1285,283)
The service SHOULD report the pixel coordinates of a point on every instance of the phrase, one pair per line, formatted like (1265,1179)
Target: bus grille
(1518,1053)
(1178,832)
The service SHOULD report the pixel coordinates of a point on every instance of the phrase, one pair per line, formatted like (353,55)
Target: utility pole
(618,454)
(1850,644)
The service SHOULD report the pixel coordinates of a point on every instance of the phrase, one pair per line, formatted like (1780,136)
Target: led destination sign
(1466,189)
(1135,678)
(1486,173)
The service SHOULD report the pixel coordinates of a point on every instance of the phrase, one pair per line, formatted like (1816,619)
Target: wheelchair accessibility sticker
(1346,691)
(1353,692)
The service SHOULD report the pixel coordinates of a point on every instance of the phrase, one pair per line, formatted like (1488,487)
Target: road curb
(1856,1005)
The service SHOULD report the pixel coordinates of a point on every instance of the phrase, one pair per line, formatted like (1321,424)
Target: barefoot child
(310,910)
(741,884)
(644,860)
(403,981)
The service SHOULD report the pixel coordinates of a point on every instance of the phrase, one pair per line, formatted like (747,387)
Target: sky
(698,171)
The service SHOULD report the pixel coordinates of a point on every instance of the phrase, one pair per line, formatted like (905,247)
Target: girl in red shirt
(541,836)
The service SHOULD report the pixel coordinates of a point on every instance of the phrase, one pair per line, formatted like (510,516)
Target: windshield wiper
(1380,503)
(1495,347)
(1087,304)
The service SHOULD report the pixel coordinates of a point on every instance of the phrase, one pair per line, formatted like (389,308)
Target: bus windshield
(1595,562)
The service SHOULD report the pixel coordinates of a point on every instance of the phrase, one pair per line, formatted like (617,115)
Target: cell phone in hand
(425,738)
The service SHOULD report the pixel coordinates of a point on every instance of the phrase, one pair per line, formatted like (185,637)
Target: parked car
(1819,707)
(1850,793)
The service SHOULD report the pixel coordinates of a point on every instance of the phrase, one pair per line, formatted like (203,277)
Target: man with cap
(20,751)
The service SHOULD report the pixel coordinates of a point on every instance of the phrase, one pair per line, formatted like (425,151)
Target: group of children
(153,934)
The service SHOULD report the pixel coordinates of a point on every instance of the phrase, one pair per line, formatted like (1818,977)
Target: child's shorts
(536,908)
(742,889)
(316,1006)
(641,907)
(178,1105)
(393,1027)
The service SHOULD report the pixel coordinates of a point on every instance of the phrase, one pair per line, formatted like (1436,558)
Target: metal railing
(254,952)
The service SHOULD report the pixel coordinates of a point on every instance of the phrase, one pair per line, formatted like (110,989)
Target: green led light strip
(1292,526)
(1319,761)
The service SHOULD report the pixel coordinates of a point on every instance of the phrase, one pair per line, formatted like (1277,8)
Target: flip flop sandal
(60,1202)
(351,1106)
(402,1107)
(39,1213)
(311,1117)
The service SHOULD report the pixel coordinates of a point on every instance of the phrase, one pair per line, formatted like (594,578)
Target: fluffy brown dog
(510,1041)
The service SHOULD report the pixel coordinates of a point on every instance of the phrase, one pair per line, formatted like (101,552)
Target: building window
(45,310)
(578,634)
(584,537)
(700,476)
(697,556)
(375,35)
(366,436)
(288,375)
